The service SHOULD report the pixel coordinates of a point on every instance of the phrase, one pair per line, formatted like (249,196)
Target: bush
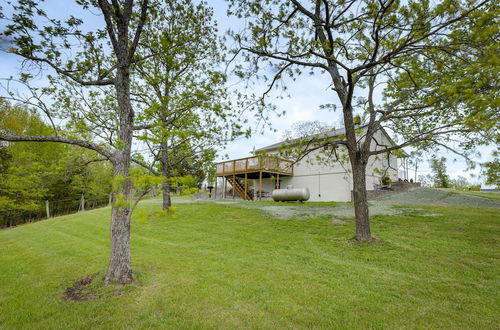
(385,180)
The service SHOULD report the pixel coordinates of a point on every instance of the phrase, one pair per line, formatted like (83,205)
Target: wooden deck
(255,164)
(241,173)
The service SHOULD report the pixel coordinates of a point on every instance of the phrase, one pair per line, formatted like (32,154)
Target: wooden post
(224,187)
(222,192)
(234,183)
(215,189)
(278,184)
(82,204)
(260,185)
(47,208)
(246,194)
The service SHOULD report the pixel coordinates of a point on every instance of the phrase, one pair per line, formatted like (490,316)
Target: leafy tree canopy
(423,70)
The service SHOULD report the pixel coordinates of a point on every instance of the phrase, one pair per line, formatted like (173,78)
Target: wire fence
(47,209)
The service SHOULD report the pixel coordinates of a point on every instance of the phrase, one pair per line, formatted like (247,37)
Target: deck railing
(255,164)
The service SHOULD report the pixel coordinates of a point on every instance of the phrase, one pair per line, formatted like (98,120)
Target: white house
(327,178)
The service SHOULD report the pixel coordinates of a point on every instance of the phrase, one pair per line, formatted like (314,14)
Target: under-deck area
(245,175)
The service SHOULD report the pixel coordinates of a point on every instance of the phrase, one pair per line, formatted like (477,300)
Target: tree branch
(145,165)
(84,144)
(140,26)
(425,136)
(99,82)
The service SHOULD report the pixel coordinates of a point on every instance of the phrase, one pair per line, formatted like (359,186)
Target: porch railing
(255,164)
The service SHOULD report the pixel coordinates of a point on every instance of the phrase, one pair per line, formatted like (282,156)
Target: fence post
(82,204)
(47,208)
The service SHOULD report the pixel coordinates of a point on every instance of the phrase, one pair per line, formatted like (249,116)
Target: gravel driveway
(384,205)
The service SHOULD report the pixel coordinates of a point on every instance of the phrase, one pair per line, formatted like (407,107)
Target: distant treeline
(32,173)
(10,218)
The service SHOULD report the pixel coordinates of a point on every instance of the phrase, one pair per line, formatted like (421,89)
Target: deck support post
(278,183)
(215,192)
(224,187)
(246,194)
(233,184)
(260,185)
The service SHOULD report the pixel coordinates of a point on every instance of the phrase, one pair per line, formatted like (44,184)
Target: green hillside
(223,266)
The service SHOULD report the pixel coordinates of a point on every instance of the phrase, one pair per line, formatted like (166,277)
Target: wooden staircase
(239,188)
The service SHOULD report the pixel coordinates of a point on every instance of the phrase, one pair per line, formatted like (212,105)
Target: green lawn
(485,194)
(220,266)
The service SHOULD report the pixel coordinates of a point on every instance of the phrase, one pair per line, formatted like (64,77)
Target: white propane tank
(291,194)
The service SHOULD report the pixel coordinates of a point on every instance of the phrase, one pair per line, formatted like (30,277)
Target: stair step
(239,188)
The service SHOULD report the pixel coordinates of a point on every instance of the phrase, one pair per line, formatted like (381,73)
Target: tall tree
(180,93)
(440,178)
(402,51)
(103,57)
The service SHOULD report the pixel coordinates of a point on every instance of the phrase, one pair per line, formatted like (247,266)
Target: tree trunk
(120,269)
(167,202)
(361,212)
(358,161)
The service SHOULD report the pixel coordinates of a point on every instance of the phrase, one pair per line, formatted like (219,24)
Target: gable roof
(328,134)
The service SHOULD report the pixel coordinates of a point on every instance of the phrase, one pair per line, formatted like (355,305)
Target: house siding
(331,180)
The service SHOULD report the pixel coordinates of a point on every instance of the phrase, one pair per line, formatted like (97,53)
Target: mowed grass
(220,266)
(485,194)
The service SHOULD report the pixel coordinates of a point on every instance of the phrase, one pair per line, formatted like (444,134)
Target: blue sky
(307,94)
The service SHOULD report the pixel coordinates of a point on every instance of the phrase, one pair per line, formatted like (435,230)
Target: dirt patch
(92,287)
(338,222)
(372,240)
(76,291)
(376,240)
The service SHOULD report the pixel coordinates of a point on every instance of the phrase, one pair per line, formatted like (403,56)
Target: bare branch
(140,26)
(142,126)
(145,165)
(285,58)
(425,136)
(84,144)
(66,73)
(106,11)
